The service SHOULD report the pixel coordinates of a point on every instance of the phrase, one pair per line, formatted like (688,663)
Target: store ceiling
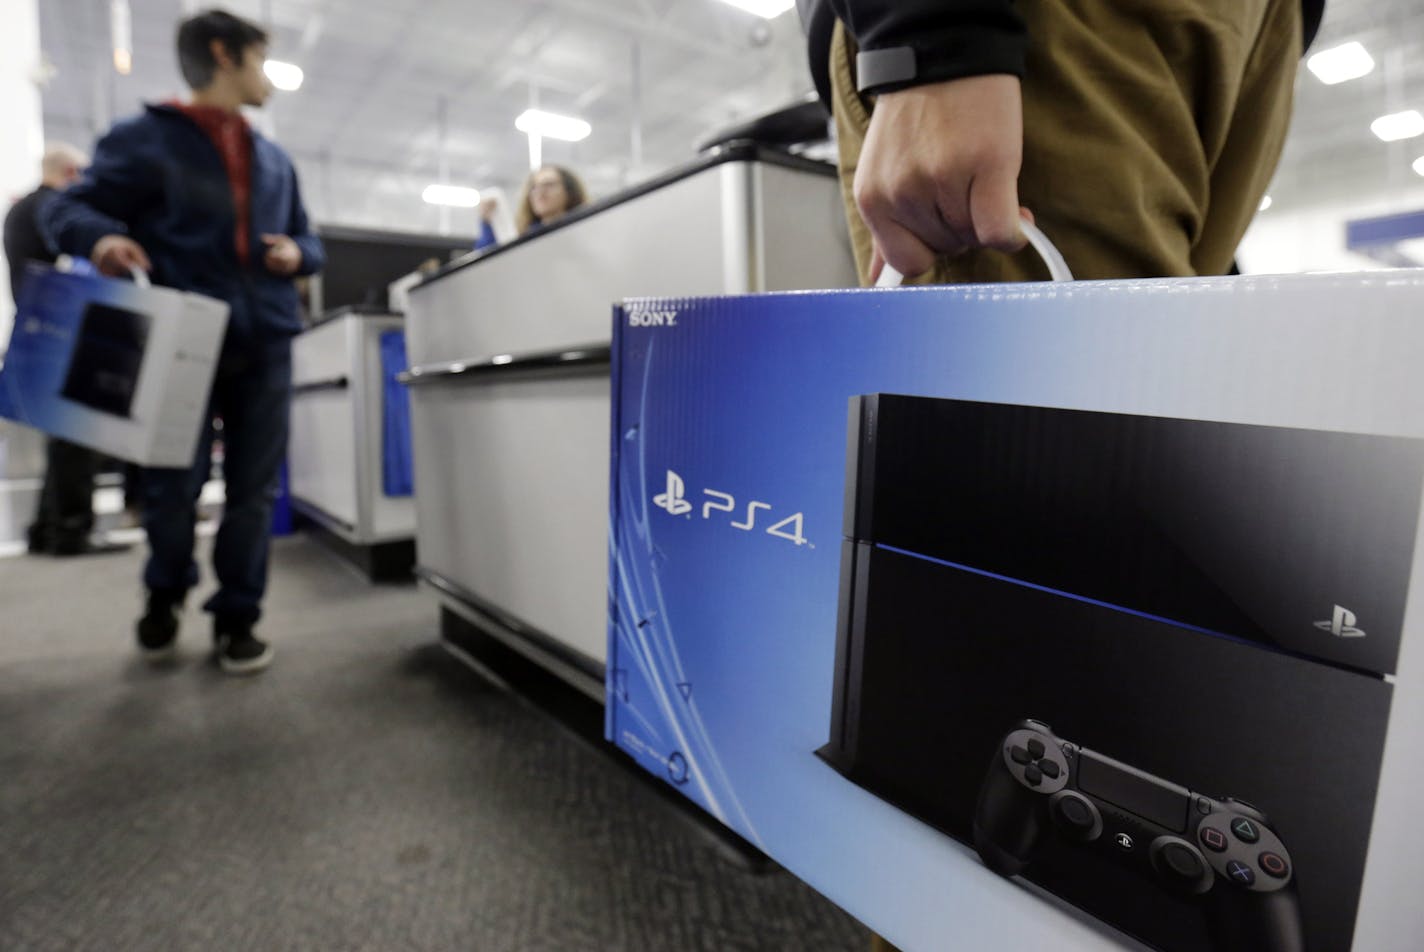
(365,132)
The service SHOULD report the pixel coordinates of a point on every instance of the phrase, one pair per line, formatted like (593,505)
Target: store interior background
(401,94)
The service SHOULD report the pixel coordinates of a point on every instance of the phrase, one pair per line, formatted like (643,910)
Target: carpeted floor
(366,793)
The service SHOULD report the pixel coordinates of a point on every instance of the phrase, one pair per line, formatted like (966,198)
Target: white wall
(1285,240)
(21,123)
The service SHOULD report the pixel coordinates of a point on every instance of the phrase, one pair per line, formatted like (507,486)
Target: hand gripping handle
(1057,267)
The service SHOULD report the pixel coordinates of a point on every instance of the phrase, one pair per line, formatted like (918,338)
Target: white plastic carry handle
(1057,267)
(140,276)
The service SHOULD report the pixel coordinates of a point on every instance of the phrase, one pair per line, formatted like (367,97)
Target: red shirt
(233,140)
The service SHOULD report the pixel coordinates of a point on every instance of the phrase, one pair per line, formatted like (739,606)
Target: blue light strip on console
(1132,611)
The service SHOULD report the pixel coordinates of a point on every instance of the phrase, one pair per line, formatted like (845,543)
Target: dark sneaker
(158,628)
(241,652)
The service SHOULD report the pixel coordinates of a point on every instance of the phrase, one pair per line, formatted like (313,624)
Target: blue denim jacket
(159,179)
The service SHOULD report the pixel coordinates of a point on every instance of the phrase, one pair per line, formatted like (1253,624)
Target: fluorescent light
(285,76)
(1265,203)
(456,196)
(1398,125)
(536,122)
(121,35)
(1419,165)
(1340,63)
(770,9)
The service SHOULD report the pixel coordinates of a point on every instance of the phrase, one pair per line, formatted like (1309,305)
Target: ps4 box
(119,368)
(1047,616)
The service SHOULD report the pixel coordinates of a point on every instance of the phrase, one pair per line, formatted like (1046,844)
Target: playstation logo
(1123,841)
(673,502)
(1341,624)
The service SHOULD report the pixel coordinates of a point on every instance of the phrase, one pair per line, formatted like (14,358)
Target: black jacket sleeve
(950,39)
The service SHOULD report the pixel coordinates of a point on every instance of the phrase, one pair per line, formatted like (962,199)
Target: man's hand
(118,255)
(283,256)
(939,171)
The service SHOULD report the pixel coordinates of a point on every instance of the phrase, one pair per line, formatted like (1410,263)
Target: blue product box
(1020,616)
(113,366)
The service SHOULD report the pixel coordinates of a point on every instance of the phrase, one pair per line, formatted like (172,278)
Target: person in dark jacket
(1142,135)
(191,194)
(64,520)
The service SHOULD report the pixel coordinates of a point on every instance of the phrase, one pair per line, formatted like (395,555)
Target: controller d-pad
(1245,830)
(1033,775)
(1240,873)
(1213,839)
(1035,748)
(1272,864)
(1021,755)
(1049,768)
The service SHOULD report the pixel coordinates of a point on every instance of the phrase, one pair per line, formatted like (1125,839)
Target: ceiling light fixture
(769,9)
(1341,63)
(1265,203)
(536,122)
(285,76)
(1398,125)
(121,33)
(1419,165)
(455,196)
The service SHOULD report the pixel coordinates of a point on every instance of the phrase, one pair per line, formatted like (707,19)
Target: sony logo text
(652,318)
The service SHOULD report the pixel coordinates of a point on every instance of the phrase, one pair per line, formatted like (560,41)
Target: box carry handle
(1057,267)
(140,276)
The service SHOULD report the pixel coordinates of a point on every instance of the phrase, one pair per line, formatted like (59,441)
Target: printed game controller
(1221,853)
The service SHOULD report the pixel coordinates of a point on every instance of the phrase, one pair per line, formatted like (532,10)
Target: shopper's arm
(118,185)
(299,228)
(938,173)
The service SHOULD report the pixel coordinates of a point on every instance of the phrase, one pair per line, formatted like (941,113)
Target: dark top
(950,38)
(158,178)
(23,239)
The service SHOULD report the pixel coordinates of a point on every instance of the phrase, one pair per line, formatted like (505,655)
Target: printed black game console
(1212,602)
(108,354)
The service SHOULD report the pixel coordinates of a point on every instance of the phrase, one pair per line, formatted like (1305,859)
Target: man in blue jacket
(191,194)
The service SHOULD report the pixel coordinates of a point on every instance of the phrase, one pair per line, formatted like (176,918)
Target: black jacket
(950,38)
(24,241)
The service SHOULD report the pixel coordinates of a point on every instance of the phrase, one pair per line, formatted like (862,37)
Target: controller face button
(1049,768)
(1213,839)
(1240,873)
(1245,830)
(1273,864)
(1181,861)
(1035,748)
(1033,775)
(1021,756)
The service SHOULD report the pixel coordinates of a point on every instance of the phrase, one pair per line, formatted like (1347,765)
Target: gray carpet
(367,792)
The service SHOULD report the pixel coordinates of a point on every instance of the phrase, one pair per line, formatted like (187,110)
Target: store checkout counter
(509,383)
(345,457)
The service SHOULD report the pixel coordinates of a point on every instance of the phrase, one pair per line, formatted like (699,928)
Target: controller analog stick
(1181,864)
(1076,816)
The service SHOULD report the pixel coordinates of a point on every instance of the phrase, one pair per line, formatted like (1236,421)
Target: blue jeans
(253,398)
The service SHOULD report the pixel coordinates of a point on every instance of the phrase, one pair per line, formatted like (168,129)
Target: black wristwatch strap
(877,68)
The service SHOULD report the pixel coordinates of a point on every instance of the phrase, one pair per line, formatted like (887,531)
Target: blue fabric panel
(397,471)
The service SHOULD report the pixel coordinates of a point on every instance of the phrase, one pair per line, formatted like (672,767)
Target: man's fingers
(901,249)
(270,240)
(994,210)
